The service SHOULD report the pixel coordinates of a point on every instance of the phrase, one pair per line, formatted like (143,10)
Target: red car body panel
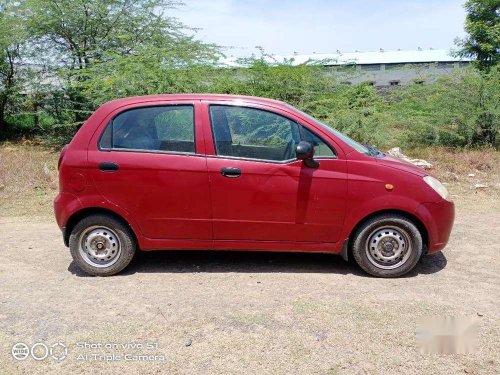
(181,201)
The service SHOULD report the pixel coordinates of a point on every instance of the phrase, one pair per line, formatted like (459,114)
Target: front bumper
(438,218)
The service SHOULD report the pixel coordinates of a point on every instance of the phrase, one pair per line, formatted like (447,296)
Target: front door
(260,191)
(147,164)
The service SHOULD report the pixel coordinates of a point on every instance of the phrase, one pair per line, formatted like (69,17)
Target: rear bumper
(64,206)
(65,238)
(438,218)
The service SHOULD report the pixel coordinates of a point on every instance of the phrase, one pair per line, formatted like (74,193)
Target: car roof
(214,97)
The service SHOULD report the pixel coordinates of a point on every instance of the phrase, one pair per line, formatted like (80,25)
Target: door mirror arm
(305,151)
(311,163)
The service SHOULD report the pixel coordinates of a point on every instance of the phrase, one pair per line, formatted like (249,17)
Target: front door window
(253,133)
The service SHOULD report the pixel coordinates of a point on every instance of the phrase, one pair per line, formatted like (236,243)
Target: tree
(11,38)
(86,40)
(482,25)
(183,65)
(82,32)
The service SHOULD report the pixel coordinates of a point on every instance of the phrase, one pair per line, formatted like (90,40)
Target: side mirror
(305,151)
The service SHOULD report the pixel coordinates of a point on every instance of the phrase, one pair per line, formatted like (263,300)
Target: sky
(284,27)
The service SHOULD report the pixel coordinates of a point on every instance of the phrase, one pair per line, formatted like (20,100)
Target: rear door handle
(231,172)
(108,166)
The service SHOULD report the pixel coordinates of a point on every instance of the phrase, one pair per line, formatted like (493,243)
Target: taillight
(61,156)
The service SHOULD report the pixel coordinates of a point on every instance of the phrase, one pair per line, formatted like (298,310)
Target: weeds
(28,179)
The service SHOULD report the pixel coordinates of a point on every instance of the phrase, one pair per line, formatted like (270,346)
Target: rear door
(259,190)
(149,160)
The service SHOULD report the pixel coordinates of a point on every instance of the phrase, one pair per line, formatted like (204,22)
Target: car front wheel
(101,245)
(388,245)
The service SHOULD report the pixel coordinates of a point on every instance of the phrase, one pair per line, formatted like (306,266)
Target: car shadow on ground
(254,262)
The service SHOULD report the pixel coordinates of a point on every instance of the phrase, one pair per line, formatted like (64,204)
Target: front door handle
(231,172)
(108,166)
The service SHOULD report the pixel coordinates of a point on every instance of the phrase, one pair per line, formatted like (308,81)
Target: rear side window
(161,128)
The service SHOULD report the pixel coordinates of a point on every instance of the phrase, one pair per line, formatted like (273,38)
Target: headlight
(437,186)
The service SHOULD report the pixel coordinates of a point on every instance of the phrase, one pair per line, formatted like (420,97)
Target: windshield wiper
(373,151)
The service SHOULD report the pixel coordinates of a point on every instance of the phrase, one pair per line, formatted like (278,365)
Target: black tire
(119,238)
(371,253)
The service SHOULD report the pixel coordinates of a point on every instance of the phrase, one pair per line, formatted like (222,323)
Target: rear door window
(160,128)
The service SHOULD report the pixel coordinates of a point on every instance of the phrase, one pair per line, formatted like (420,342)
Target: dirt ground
(258,313)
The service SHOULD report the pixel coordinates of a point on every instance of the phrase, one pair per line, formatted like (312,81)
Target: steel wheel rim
(388,247)
(99,246)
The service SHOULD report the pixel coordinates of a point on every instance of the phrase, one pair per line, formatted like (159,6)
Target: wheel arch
(414,219)
(85,212)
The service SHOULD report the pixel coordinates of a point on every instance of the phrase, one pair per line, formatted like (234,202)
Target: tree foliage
(482,25)
(460,109)
(122,40)
(12,37)
(79,32)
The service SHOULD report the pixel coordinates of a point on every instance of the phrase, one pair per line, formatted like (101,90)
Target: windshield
(351,142)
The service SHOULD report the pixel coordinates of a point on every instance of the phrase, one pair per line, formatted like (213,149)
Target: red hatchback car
(220,172)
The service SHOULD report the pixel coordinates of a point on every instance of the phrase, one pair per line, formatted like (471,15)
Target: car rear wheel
(388,245)
(101,245)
